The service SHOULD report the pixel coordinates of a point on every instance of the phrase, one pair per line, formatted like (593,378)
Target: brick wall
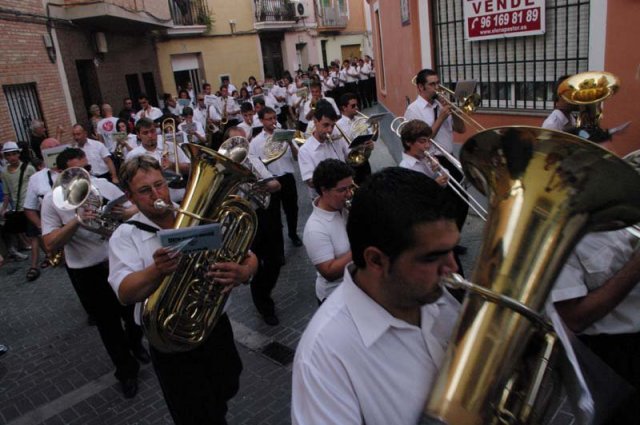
(127,55)
(24,60)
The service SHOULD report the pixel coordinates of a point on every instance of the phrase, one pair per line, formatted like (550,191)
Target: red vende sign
(486,19)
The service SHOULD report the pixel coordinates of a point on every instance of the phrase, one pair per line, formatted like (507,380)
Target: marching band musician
(560,118)
(192,130)
(163,152)
(147,110)
(349,108)
(97,153)
(415,135)
(320,145)
(86,255)
(283,168)
(196,384)
(372,350)
(250,120)
(443,123)
(228,108)
(325,234)
(310,104)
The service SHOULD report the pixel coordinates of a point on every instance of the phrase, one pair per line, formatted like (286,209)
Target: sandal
(45,263)
(33,274)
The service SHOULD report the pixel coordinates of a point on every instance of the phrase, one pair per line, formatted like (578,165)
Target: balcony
(116,15)
(273,14)
(190,17)
(330,19)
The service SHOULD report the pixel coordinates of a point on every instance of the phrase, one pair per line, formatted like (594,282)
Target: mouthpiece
(159,204)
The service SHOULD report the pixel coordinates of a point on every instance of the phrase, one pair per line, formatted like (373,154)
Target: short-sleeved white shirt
(85,248)
(414,164)
(557,120)
(280,167)
(39,186)
(596,258)
(325,238)
(314,152)
(420,109)
(106,128)
(96,152)
(152,113)
(306,108)
(356,363)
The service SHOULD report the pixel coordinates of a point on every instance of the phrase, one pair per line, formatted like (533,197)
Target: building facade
(516,75)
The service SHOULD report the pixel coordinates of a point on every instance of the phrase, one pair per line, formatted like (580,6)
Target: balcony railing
(331,17)
(189,12)
(274,10)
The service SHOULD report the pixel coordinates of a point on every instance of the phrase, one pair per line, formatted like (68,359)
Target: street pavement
(57,371)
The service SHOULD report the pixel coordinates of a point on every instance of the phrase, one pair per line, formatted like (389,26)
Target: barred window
(516,73)
(24,107)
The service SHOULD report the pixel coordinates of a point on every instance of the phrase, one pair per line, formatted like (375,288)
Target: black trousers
(268,245)
(282,116)
(374,89)
(289,199)
(101,303)
(621,352)
(197,384)
(363,93)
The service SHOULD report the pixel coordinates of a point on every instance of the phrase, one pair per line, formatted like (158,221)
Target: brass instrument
(73,190)
(546,189)
(357,155)
(56,258)
(237,149)
(168,130)
(589,90)
(184,309)
(299,138)
(273,150)
(121,138)
(225,113)
(469,104)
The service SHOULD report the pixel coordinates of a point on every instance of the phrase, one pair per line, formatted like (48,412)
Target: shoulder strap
(23,167)
(142,226)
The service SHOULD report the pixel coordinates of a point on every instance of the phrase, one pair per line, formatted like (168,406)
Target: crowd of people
(372,350)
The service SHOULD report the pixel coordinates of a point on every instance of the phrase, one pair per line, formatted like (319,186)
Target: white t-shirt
(325,238)
(314,152)
(85,248)
(596,258)
(356,363)
(96,153)
(420,109)
(38,187)
(106,128)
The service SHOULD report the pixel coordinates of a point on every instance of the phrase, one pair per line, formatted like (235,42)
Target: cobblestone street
(57,371)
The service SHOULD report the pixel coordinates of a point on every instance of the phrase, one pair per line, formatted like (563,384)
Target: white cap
(10,147)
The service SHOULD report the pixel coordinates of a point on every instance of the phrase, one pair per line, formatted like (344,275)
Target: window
(513,73)
(24,107)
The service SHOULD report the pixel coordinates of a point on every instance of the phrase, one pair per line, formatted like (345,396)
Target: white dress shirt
(85,248)
(151,112)
(96,153)
(357,364)
(325,238)
(313,152)
(596,258)
(557,120)
(420,109)
(39,185)
(416,165)
(280,167)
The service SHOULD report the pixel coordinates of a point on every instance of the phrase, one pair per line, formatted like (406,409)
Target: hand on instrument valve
(86,214)
(166,260)
(232,274)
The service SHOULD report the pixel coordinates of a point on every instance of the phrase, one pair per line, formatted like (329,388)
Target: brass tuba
(545,190)
(184,309)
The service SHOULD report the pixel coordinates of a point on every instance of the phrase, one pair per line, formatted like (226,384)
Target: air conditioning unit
(301,8)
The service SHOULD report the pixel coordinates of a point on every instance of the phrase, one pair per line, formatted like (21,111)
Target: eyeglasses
(148,190)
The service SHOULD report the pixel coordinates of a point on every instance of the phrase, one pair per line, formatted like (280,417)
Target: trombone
(174,177)
(469,104)
(457,187)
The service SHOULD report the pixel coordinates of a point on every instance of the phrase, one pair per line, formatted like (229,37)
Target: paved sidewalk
(57,371)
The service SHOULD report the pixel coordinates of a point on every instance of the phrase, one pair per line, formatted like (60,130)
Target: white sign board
(487,19)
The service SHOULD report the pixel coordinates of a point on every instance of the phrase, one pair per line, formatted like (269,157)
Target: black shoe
(295,240)
(3,349)
(460,250)
(141,354)
(129,387)
(271,319)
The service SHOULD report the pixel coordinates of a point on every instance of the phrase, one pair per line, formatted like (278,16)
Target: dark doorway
(323,47)
(133,86)
(89,85)
(150,87)
(271,45)
(181,79)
